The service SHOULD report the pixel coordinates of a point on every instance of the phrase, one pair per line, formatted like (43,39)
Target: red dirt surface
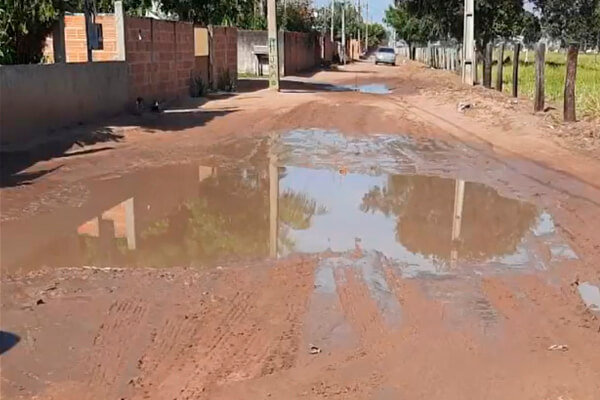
(244,329)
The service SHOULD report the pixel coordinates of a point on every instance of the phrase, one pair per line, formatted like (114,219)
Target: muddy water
(371,88)
(305,192)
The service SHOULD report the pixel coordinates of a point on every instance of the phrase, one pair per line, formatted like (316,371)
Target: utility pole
(367,27)
(344,32)
(468,70)
(332,14)
(359,19)
(89,20)
(273,46)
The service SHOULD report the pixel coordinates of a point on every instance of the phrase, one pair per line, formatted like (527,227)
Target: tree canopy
(429,20)
(418,21)
(575,20)
(24,26)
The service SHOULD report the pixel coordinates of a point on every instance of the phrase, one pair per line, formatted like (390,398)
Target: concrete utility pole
(468,70)
(273,201)
(332,14)
(89,20)
(273,46)
(344,32)
(367,27)
(459,198)
(359,18)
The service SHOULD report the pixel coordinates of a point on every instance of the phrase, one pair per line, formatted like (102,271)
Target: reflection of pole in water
(459,197)
(130,223)
(273,204)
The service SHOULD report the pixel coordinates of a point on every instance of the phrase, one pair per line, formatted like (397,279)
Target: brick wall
(327,49)
(224,47)
(302,52)
(76,44)
(160,56)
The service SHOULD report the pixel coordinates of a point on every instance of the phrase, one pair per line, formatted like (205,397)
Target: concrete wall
(76,44)
(37,98)
(246,60)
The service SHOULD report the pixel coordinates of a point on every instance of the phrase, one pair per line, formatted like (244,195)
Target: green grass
(587,89)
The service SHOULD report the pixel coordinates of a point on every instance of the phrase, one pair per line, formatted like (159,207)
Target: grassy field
(588,80)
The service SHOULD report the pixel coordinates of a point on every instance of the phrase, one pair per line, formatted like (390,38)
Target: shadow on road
(75,140)
(8,341)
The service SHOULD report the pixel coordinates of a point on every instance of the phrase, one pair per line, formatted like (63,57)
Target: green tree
(353,20)
(377,34)
(410,28)
(568,21)
(24,26)
(443,19)
(531,29)
(131,7)
(296,16)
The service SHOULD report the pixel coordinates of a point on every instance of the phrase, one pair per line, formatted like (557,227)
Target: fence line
(450,58)
(439,57)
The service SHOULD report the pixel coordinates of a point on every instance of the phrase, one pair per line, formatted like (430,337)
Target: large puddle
(309,192)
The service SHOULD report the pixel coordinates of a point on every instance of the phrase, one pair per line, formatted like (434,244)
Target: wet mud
(418,267)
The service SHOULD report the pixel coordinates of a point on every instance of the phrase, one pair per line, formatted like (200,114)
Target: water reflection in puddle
(371,88)
(590,294)
(195,215)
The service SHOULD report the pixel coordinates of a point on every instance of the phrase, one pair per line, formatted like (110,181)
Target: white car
(385,55)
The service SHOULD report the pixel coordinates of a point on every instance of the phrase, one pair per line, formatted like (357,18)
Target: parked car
(385,55)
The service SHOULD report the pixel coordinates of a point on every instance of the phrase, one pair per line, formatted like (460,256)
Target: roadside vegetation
(557,22)
(588,80)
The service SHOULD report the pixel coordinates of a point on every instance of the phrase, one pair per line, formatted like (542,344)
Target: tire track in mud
(114,346)
(178,375)
(243,333)
(359,307)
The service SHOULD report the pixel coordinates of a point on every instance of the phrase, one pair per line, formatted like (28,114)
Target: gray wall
(245,47)
(35,99)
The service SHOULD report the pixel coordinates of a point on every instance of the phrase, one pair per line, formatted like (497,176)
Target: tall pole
(87,10)
(273,201)
(468,70)
(359,19)
(459,198)
(332,14)
(344,32)
(273,46)
(367,27)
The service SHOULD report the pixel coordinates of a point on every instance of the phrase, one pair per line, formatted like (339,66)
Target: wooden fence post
(540,64)
(487,66)
(500,68)
(569,100)
(515,77)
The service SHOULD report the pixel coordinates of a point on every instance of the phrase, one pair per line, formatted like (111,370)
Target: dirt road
(353,237)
